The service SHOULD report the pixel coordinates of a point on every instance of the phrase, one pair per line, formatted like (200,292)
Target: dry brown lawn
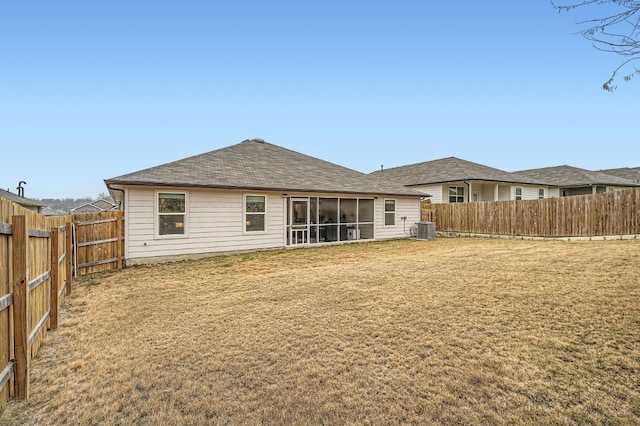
(452,331)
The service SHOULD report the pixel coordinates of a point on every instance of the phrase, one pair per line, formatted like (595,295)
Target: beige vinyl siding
(528,192)
(505,193)
(553,192)
(436,192)
(409,207)
(487,192)
(214,224)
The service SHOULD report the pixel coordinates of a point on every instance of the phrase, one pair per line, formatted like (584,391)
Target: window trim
(515,193)
(157,214)
(244,214)
(395,209)
(449,196)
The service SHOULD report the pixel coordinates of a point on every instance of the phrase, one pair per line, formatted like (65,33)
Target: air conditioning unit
(426,231)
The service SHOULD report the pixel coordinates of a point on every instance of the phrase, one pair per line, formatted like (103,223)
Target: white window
(255,213)
(456,194)
(541,194)
(172,213)
(518,193)
(389,212)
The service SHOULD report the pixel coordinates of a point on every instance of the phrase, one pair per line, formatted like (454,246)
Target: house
(255,195)
(631,173)
(568,180)
(453,180)
(101,205)
(27,203)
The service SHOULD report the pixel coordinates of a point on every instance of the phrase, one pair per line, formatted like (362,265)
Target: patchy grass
(452,331)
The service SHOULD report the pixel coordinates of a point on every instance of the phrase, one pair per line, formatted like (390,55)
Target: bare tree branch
(617,32)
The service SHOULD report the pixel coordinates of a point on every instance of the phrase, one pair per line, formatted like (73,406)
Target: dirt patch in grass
(452,331)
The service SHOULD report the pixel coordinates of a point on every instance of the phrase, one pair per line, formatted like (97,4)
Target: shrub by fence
(610,213)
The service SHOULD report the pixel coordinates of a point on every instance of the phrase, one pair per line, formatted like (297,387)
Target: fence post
(20,258)
(68,233)
(119,241)
(55,276)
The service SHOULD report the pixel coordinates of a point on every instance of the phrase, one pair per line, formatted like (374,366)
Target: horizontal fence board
(38,329)
(33,284)
(6,228)
(62,259)
(39,233)
(93,243)
(5,302)
(97,262)
(62,289)
(6,374)
(95,222)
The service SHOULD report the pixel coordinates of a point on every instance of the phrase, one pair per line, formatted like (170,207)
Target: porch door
(299,220)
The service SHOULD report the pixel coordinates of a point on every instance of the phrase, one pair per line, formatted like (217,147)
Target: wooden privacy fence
(610,213)
(35,261)
(38,256)
(427,211)
(99,241)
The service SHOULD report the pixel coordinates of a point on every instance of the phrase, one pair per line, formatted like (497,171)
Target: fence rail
(611,213)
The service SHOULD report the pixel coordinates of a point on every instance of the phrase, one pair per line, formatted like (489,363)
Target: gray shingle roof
(20,200)
(632,173)
(101,205)
(449,169)
(568,176)
(256,164)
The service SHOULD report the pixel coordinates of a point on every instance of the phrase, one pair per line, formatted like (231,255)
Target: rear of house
(253,196)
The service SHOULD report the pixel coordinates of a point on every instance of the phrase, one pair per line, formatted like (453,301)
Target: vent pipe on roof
(381,167)
(20,188)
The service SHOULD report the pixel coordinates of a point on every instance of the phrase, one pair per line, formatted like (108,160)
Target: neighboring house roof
(49,211)
(632,173)
(256,164)
(101,205)
(568,176)
(27,202)
(449,169)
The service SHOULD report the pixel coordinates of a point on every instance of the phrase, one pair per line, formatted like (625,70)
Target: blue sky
(93,90)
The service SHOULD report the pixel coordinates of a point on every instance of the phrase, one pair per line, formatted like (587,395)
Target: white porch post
(470,192)
(496,192)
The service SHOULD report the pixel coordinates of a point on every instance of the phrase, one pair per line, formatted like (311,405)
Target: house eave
(119,185)
(443,182)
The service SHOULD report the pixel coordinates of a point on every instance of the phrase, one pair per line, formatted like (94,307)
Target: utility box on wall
(426,231)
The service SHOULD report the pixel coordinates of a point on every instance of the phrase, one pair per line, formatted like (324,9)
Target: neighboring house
(255,195)
(98,206)
(453,180)
(631,173)
(568,180)
(27,203)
